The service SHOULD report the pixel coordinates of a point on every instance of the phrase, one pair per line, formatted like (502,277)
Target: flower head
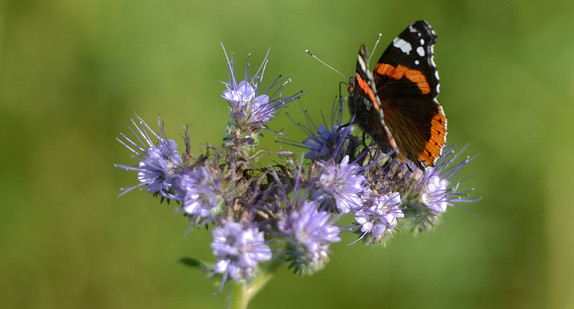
(309,232)
(434,194)
(239,250)
(341,183)
(379,216)
(325,143)
(198,191)
(251,109)
(428,195)
(159,161)
(329,141)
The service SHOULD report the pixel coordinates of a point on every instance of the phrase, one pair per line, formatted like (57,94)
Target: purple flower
(436,190)
(325,143)
(309,232)
(250,109)
(238,94)
(159,161)
(244,104)
(434,194)
(378,219)
(341,183)
(198,190)
(319,145)
(239,250)
(262,110)
(429,194)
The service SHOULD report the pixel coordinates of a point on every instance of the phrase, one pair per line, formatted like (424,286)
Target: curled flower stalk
(159,161)
(251,108)
(264,216)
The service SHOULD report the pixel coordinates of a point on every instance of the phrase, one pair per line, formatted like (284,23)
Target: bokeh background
(72,73)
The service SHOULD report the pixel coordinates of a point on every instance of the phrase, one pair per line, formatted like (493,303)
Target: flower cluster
(291,211)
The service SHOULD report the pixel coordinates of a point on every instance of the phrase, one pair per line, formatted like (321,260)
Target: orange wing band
(414,76)
(433,147)
(366,89)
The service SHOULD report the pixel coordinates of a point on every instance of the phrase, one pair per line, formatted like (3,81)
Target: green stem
(238,298)
(241,294)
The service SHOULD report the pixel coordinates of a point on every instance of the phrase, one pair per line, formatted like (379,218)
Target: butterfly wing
(407,85)
(365,105)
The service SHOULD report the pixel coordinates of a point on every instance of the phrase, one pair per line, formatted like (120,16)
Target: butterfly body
(396,103)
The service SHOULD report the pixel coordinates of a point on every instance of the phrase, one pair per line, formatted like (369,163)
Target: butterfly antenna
(323,62)
(376,44)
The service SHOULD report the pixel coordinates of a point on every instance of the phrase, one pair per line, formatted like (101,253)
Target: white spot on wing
(417,62)
(421,51)
(422,42)
(403,45)
(362,63)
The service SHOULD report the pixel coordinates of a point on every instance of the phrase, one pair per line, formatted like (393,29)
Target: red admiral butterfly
(396,104)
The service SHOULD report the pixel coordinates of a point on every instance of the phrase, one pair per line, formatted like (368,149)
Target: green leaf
(193,262)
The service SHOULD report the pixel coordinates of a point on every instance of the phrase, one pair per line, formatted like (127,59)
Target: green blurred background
(72,73)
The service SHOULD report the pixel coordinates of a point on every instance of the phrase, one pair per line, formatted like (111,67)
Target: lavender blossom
(329,141)
(239,250)
(341,183)
(434,194)
(198,190)
(437,190)
(159,161)
(379,219)
(325,143)
(250,109)
(309,232)
(427,196)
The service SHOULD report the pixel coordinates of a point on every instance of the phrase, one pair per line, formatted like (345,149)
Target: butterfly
(397,103)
